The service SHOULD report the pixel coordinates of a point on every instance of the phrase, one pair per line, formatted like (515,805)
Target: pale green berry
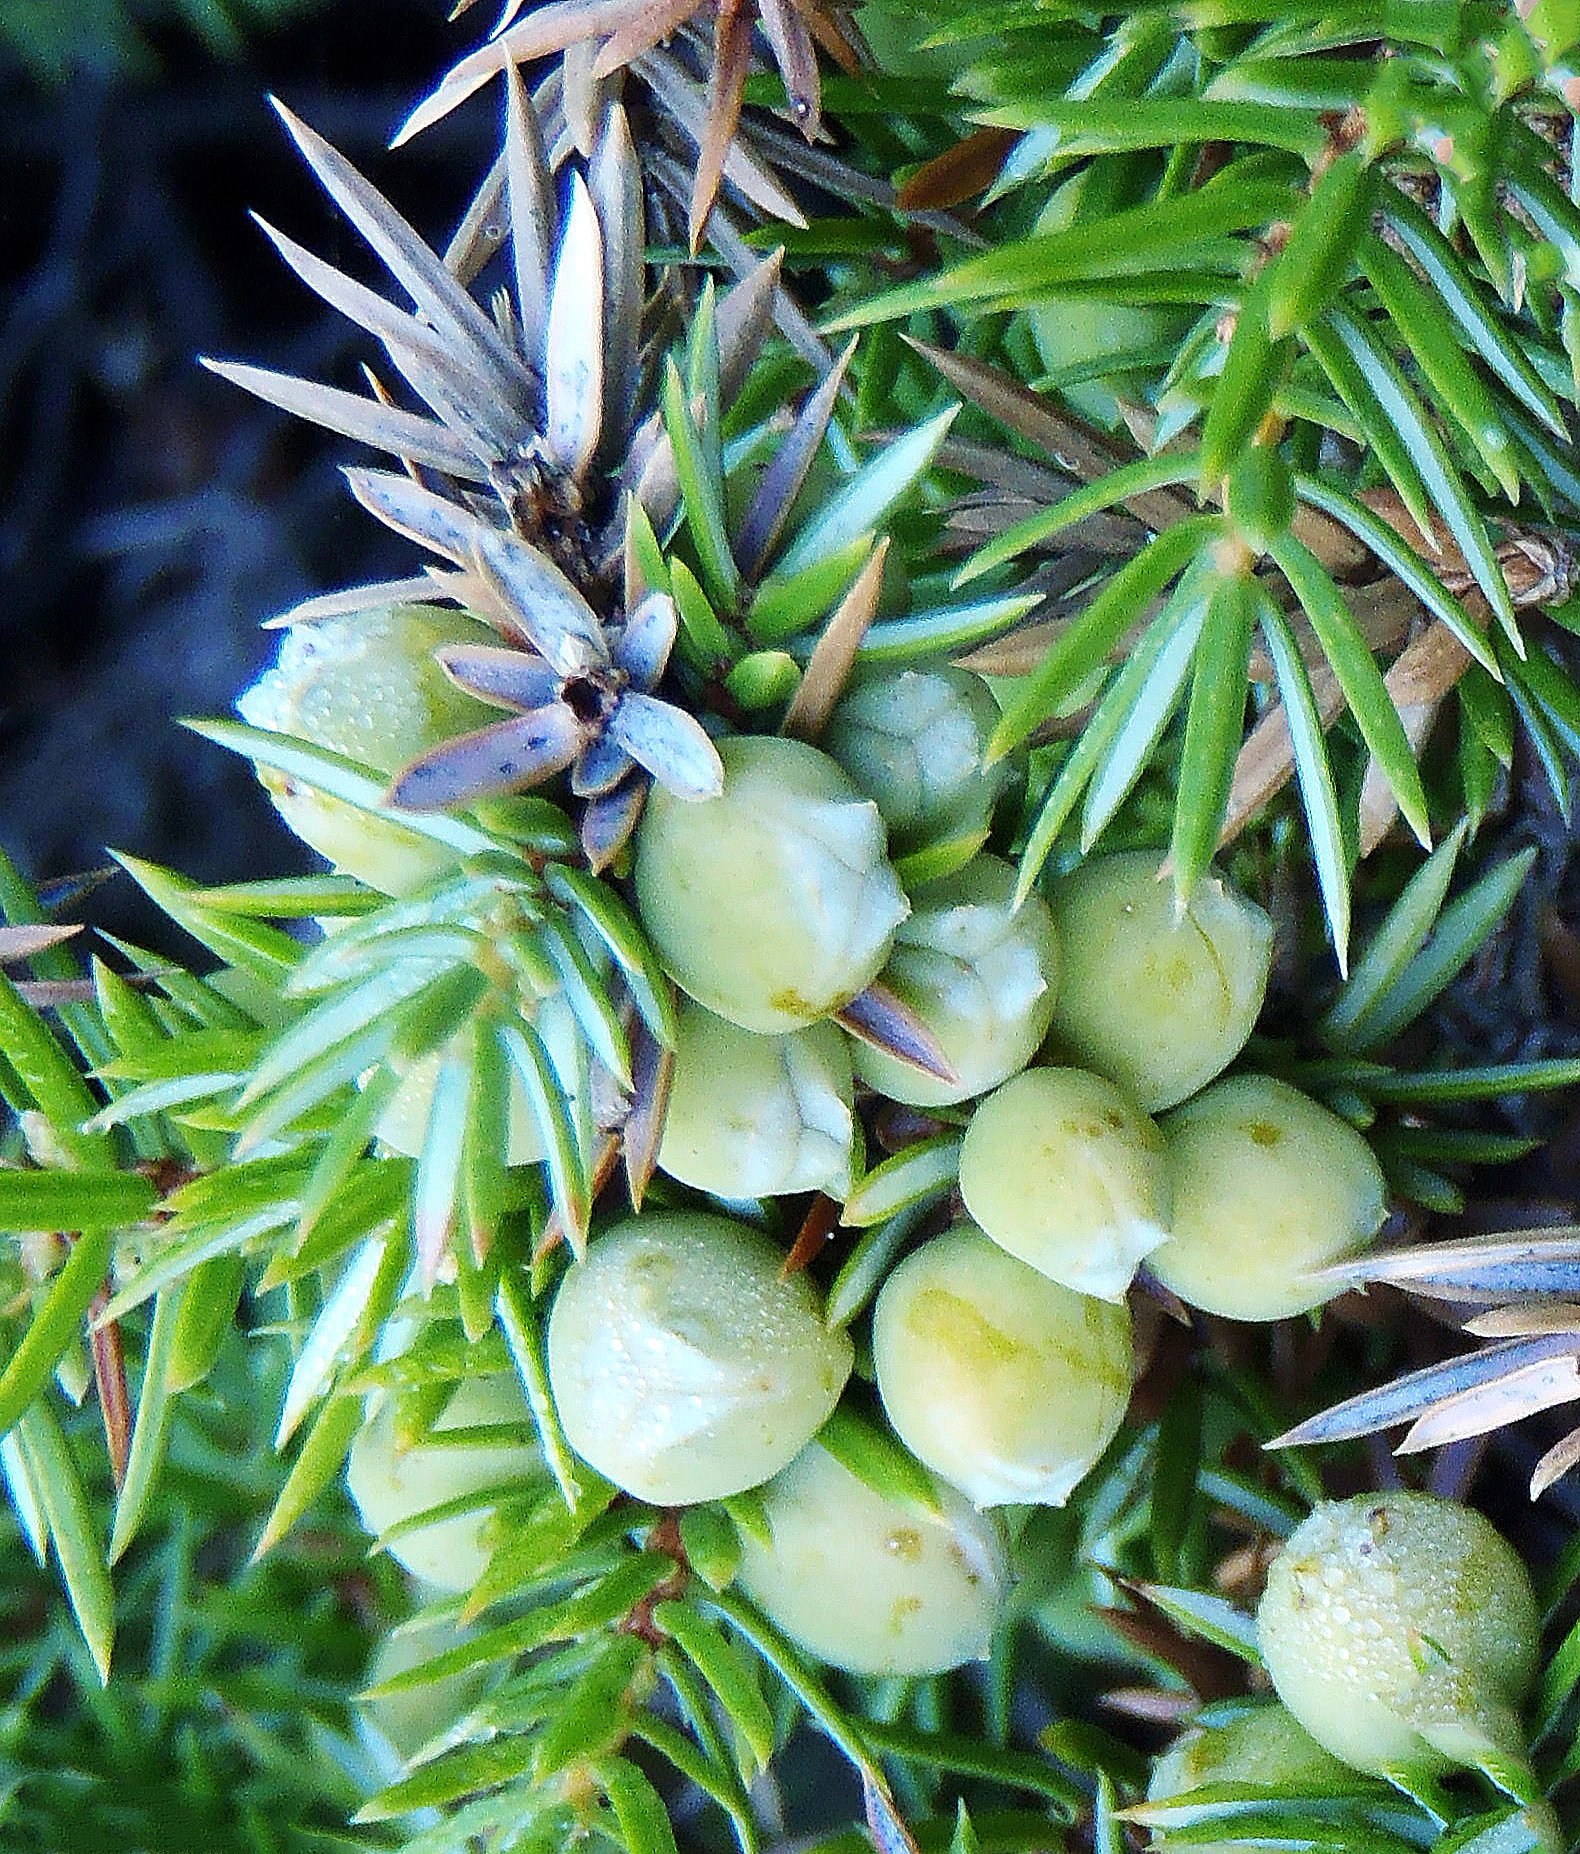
(1267,1186)
(1156,1000)
(1060,1170)
(390,1484)
(367,687)
(869,1584)
(1263,1746)
(1001,1381)
(396,1726)
(684,1365)
(1083,337)
(1401,1630)
(915,741)
(775,903)
(404,1123)
(758,1116)
(980,974)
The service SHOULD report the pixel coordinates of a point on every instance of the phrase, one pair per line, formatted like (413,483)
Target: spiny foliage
(598,1621)
(1347,354)
(379,1125)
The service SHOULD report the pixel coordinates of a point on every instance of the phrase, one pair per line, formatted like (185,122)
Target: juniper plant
(684,1175)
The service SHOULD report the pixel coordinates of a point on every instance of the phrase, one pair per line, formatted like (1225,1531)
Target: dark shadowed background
(150,515)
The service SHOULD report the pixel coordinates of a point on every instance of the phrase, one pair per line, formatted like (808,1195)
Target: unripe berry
(367,687)
(915,741)
(1060,1170)
(1261,1747)
(684,1365)
(403,1124)
(868,1584)
(396,1726)
(981,975)
(1264,1744)
(1157,1001)
(775,903)
(1267,1186)
(758,1116)
(1401,1630)
(389,1484)
(1000,1380)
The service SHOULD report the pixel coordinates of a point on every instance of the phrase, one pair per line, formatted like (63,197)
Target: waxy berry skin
(915,741)
(684,1365)
(980,973)
(758,1116)
(1268,1186)
(1401,1629)
(776,903)
(1063,1172)
(869,1584)
(999,1380)
(1157,1000)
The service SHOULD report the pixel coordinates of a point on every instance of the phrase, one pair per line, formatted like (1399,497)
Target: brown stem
(109,1377)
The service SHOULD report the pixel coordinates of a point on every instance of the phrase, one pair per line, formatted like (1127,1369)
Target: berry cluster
(685,1362)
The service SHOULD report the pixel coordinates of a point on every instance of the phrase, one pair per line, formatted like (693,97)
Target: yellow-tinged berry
(1062,1171)
(1401,1630)
(1158,1001)
(1264,1744)
(1268,1185)
(869,1584)
(998,1379)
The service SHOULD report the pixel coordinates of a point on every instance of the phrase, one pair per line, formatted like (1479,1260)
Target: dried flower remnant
(1526,1288)
(522,405)
(583,699)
